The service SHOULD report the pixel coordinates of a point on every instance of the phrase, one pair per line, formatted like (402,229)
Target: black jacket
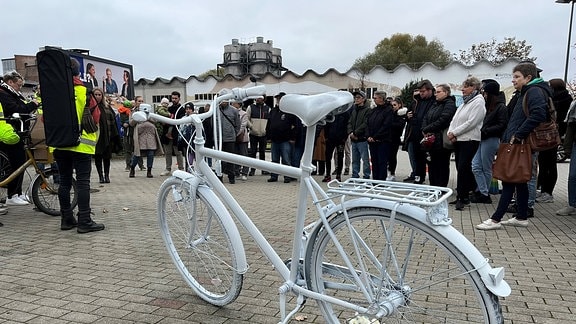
(438,119)
(562,100)
(337,131)
(495,121)
(281,126)
(414,125)
(379,123)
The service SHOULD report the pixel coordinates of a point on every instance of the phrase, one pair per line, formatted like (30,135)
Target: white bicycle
(379,251)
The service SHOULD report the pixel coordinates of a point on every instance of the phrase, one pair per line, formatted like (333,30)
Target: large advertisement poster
(114,78)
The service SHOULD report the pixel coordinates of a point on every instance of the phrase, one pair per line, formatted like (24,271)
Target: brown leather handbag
(546,135)
(513,163)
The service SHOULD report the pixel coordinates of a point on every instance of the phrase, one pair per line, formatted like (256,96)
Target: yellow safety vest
(7,133)
(87,141)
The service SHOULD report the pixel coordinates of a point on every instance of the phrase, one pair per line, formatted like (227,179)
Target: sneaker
(409,179)
(327,179)
(417,179)
(25,198)
(566,211)
(16,201)
(515,222)
(489,224)
(165,173)
(545,198)
(391,178)
(244,178)
(346,171)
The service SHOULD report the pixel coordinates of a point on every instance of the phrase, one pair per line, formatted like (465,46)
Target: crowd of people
(363,142)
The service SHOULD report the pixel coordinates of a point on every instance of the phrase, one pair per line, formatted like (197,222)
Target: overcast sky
(186,37)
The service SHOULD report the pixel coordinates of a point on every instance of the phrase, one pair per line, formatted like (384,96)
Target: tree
(404,48)
(213,72)
(494,52)
(407,93)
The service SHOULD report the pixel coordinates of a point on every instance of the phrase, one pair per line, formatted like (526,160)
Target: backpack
(61,126)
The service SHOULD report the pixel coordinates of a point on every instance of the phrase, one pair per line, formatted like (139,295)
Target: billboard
(114,78)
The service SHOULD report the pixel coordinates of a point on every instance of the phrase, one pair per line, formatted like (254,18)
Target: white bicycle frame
(363,189)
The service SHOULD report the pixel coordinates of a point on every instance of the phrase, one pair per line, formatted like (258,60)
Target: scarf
(8,88)
(470,96)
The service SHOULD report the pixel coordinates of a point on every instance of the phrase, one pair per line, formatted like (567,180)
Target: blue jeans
(360,152)
(149,158)
(572,178)
(281,150)
(482,163)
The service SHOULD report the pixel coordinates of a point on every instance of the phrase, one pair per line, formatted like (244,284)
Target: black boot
(87,225)
(107,178)
(67,221)
(132,172)
(149,173)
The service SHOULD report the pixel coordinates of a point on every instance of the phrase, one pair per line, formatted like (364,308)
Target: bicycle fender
(493,278)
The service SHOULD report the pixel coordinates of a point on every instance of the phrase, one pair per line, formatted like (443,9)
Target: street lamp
(569,36)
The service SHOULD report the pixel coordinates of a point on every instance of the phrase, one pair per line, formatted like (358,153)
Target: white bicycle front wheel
(198,241)
(405,266)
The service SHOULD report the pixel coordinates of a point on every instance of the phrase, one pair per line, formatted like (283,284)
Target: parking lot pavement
(124,275)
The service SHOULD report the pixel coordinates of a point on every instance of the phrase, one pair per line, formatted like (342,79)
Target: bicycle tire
(209,266)
(5,166)
(45,194)
(434,280)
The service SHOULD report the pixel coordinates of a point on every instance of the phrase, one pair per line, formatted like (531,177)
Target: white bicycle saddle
(313,108)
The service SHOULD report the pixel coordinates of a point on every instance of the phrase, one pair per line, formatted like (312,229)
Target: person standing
(12,102)
(258,113)
(435,122)
(336,133)
(357,132)
(242,145)
(493,127)
(8,136)
(569,147)
(535,90)
(464,132)
(547,168)
(423,100)
(169,136)
(146,143)
(108,138)
(397,129)
(230,129)
(379,135)
(77,160)
(280,130)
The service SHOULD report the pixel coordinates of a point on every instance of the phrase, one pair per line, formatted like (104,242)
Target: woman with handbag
(492,129)
(437,120)
(519,127)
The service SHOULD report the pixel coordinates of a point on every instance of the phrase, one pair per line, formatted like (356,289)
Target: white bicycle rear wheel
(417,269)
(198,241)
